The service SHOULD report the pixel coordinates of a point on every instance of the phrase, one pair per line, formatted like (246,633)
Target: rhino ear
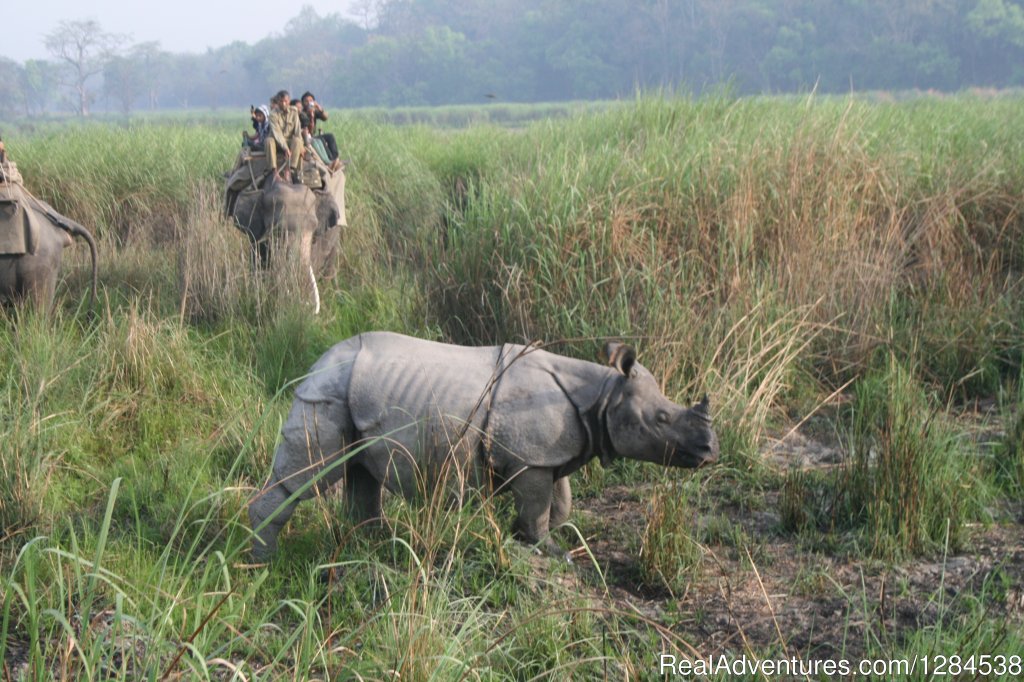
(702,406)
(620,356)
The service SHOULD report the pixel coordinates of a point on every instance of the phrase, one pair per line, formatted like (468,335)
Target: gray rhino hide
(407,408)
(524,403)
(424,400)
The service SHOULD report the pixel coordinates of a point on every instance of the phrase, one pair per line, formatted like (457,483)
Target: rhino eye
(662,417)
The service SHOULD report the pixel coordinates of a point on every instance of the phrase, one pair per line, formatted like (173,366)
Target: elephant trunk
(79,231)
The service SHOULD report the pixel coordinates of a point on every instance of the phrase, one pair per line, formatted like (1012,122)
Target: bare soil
(777,593)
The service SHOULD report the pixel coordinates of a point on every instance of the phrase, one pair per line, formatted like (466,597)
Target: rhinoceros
(382,410)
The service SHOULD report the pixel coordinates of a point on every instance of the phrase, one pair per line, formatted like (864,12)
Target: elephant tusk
(316,292)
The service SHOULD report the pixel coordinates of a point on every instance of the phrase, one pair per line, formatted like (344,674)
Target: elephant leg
(35,275)
(8,279)
(561,502)
(256,254)
(533,488)
(43,290)
(230,199)
(363,495)
(268,512)
(263,254)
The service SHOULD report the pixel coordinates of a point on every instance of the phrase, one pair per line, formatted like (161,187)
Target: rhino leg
(533,488)
(363,496)
(306,462)
(561,502)
(271,503)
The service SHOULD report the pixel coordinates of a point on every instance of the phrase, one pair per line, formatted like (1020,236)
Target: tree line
(435,52)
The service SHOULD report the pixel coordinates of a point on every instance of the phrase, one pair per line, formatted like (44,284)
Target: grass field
(842,277)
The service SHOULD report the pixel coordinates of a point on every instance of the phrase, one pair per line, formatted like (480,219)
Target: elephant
(33,236)
(269,210)
(386,411)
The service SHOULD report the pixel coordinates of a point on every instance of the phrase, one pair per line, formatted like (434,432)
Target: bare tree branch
(84,48)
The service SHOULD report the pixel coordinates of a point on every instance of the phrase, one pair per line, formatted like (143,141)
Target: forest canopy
(435,52)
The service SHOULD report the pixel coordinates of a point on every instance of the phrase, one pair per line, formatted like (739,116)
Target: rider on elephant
(310,112)
(287,133)
(261,125)
(8,170)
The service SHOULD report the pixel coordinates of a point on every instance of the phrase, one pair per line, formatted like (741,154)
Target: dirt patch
(770,591)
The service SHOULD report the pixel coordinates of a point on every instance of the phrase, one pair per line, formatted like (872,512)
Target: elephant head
(280,220)
(271,211)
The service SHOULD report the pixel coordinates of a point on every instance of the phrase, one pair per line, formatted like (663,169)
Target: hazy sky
(179,25)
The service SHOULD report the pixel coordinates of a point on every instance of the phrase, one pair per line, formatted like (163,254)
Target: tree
(993,42)
(84,48)
(12,95)
(403,52)
(39,80)
(367,12)
(998,20)
(123,82)
(152,62)
(787,64)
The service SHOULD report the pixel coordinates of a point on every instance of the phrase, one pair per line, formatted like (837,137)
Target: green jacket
(284,126)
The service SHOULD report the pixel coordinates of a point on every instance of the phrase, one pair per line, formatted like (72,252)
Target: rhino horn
(620,356)
(703,407)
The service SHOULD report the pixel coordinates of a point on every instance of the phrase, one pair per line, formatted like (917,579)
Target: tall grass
(125,182)
(909,485)
(1008,458)
(670,550)
(907,481)
(756,255)
(768,252)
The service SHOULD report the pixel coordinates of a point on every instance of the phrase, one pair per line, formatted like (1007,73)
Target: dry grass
(214,265)
(768,253)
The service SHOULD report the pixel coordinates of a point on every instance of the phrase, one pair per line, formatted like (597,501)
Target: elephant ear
(327,213)
(703,408)
(620,356)
(247,213)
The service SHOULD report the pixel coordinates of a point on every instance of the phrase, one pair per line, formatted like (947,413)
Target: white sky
(178,25)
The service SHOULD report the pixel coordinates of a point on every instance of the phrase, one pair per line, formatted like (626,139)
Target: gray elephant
(383,410)
(269,211)
(33,237)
